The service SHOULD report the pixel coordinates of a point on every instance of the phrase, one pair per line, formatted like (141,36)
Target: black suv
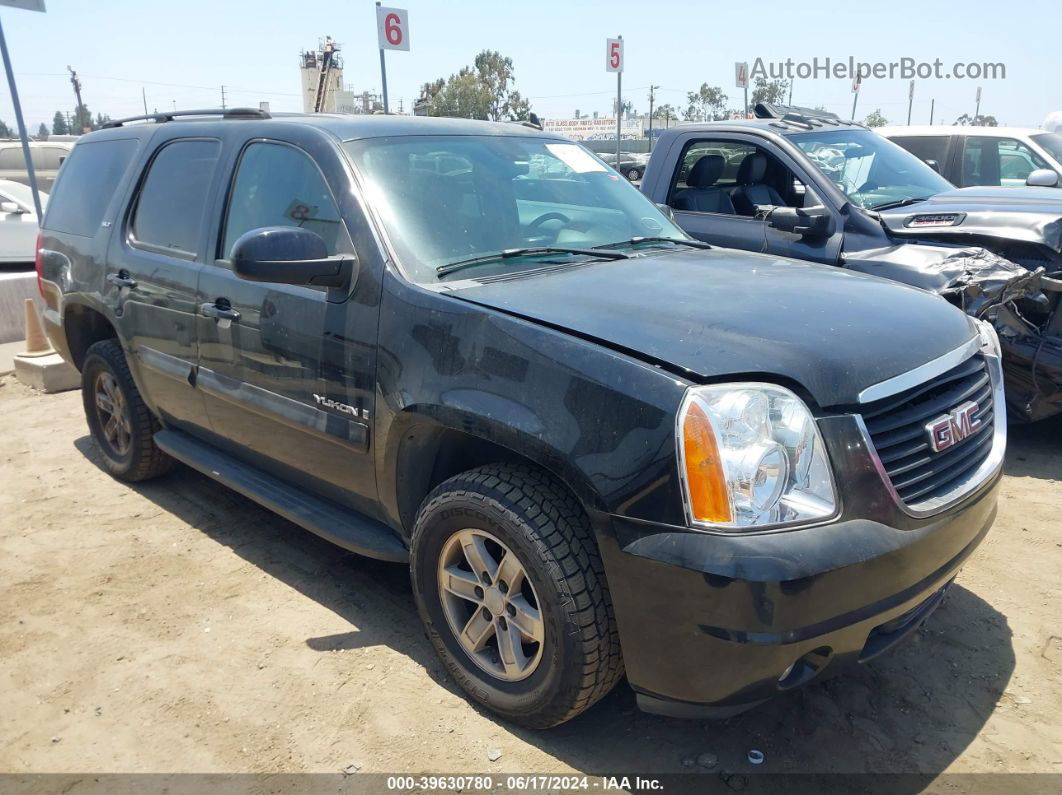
(599,444)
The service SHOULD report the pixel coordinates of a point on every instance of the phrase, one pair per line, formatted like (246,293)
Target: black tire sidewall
(559,664)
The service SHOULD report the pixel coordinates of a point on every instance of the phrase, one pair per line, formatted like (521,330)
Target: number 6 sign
(392,28)
(614,55)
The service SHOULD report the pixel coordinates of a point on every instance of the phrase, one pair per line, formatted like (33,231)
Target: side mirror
(289,255)
(814,223)
(1042,178)
(667,210)
(933,164)
(11,208)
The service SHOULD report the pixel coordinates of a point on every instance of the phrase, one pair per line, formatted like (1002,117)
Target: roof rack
(790,116)
(225,113)
(531,121)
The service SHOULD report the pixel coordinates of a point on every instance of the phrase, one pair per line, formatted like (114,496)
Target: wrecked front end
(1022,303)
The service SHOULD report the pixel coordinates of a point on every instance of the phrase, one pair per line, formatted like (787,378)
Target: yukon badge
(950,429)
(328,403)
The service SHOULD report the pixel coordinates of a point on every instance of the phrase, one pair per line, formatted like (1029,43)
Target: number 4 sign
(614,56)
(392,28)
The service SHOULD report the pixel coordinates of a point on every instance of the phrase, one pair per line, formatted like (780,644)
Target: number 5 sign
(614,55)
(392,28)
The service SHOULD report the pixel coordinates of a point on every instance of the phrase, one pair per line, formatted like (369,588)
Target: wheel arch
(83,326)
(431,446)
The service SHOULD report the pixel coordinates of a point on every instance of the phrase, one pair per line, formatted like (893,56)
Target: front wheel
(634,174)
(510,586)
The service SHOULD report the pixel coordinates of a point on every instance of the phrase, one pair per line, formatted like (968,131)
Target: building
(311,64)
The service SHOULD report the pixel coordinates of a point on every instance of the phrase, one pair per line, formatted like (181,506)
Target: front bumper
(711,625)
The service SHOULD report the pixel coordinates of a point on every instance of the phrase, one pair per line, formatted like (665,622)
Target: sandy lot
(177,627)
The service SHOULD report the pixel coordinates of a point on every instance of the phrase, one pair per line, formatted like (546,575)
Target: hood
(1032,215)
(717,313)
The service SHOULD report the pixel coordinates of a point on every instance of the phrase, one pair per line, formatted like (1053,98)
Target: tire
(531,516)
(634,174)
(130,453)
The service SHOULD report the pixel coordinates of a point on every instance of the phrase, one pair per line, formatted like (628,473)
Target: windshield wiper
(900,203)
(509,253)
(636,240)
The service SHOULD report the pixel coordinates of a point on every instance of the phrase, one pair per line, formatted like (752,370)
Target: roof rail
(531,121)
(225,113)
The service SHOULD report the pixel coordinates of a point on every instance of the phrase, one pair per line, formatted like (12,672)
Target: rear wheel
(634,174)
(511,589)
(121,424)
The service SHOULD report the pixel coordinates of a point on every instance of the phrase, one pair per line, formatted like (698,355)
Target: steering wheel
(548,217)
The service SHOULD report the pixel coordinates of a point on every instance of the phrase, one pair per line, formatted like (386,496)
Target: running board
(341,526)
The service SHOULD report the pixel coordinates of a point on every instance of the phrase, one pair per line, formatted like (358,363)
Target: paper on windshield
(575,157)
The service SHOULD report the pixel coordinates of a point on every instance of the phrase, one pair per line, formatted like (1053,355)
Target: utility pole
(791,81)
(30,172)
(932,107)
(80,112)
(977,112)
(143,96)
(910,102)
(223,96)
(652,96)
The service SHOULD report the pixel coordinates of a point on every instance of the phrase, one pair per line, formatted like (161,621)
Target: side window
(1017,161)
(48,158)
(278,185)
(925,147)
(11,159)
(170,208)
(86,183)
(731,152)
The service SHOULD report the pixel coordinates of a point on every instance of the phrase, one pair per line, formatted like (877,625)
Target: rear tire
(518,511)
(121,424)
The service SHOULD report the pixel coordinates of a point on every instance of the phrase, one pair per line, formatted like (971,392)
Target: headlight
(751,457)
(989,338)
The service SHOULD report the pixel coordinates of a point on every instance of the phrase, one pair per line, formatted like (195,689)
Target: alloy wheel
(491,605)
(113,414)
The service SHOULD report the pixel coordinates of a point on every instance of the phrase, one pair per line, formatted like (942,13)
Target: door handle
(224,314)
(121,279)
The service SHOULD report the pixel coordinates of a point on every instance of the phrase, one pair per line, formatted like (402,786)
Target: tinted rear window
(169,211)
(87,181)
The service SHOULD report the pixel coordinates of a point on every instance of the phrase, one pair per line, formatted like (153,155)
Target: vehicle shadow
(1035,450)
(911,711)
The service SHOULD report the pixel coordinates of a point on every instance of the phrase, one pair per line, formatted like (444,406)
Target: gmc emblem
(950,429)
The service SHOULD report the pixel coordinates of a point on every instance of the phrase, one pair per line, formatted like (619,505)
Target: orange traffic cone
(36,342)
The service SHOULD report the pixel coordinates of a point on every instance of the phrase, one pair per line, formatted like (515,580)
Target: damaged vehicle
(805,184)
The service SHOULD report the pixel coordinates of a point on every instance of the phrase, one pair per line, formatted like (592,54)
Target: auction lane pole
(21,126)
(619,106)
(383,73)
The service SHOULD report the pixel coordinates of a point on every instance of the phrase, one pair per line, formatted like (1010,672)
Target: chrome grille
(897,429)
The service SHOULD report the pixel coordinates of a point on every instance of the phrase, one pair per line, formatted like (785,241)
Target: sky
(182,52)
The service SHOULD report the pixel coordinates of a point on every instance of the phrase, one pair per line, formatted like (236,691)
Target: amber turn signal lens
(709,501)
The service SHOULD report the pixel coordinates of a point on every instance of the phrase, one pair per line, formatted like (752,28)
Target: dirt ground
(177,627)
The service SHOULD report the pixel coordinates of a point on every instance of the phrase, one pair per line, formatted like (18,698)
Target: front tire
(512,592)
(634,174)
(121,424)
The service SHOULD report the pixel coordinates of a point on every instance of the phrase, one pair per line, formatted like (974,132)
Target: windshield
(445,199)
(1052,142)
(870,170)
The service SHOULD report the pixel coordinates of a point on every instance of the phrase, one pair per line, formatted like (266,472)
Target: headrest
(706,171)
(752,169)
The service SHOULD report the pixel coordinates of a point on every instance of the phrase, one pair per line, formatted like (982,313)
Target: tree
(59,126)
(976,121)
(5,131)
(42,132)
(706,104)
(101,119)
(482,91)
(666,112)
(773,92)
(875,119)
(82,120)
